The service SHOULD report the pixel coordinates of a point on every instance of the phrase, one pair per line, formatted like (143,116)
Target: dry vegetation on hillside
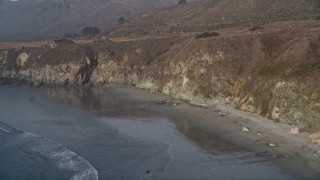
(209,15)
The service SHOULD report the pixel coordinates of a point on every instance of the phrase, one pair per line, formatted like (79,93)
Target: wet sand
(293,152)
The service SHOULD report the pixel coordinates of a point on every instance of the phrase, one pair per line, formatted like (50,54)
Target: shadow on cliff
(88,65)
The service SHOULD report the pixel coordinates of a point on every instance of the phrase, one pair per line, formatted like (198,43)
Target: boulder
(294,130)
(22,59)
(315,137)
(245,129)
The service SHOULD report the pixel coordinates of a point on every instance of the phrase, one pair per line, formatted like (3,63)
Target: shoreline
(112,134)
(293,153)
(265,137)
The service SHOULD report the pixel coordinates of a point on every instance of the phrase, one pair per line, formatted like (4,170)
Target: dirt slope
(209,15)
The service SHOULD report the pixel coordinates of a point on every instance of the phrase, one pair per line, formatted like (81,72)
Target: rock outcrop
(315,137)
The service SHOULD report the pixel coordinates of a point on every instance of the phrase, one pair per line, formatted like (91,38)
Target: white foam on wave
(29,135)
(2,129)
(64,159)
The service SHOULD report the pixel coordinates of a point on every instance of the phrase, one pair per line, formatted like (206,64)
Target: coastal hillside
(208,15)
(39,19)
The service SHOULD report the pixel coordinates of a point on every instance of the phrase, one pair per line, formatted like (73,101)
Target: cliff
(274,72)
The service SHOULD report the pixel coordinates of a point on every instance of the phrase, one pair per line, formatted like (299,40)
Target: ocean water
(29,156)
(88,134)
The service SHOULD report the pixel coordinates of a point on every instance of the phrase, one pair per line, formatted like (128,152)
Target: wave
(64,159)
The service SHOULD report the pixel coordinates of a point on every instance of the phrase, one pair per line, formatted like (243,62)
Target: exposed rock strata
(273,74)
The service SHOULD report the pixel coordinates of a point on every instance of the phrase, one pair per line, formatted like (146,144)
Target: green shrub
(318,18)
(255,28)
(270,68)
(122,20)
(90,31)
(207,35)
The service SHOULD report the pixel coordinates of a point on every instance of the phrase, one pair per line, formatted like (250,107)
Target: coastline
(112,134)
(293,154)
(168,90)
(265,137)
(244,70)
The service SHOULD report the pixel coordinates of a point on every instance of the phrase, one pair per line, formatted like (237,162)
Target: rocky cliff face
(275,74)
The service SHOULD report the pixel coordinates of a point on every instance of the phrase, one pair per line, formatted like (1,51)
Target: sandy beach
(264,136)
(125,132)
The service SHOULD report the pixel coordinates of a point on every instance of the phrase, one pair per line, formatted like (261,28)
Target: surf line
(4,130)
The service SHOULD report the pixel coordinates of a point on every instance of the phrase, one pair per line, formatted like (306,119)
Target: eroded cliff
(273,73)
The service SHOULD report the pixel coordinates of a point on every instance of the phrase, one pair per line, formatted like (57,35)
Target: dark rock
(255,28)
(265,153)
(162,102)
(66,82)
(4,81)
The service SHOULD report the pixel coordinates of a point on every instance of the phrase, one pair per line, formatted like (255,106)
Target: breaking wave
(62,158)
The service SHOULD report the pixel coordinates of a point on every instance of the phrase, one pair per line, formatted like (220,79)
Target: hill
(38,19)
(210,15)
